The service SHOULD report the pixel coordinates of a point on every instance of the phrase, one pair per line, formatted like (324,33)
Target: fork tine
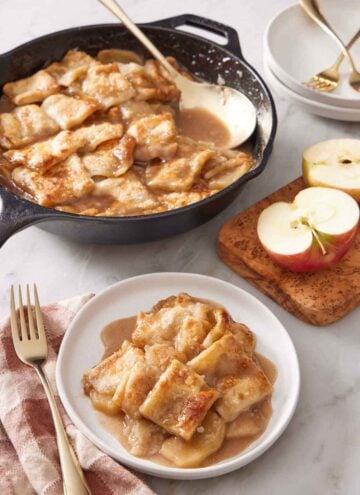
(13,318)
(23,329)
(325,83)
(311,83)
(32,329)
(39,319)
(320,84)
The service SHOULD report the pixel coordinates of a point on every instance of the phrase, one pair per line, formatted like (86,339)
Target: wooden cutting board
(318,298)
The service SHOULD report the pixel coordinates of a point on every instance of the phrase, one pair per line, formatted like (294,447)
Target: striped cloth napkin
(29,461)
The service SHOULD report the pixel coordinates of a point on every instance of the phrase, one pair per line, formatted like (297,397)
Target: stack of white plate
(295,50)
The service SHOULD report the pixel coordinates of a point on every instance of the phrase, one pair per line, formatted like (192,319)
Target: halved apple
(313,232)
(334,163)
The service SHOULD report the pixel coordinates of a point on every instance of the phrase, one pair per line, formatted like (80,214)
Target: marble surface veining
(319,454)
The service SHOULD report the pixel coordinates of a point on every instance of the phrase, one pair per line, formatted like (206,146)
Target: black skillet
(204,59)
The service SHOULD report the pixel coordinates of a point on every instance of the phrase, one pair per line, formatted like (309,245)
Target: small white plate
(296,49)
(329,111)
(81,349)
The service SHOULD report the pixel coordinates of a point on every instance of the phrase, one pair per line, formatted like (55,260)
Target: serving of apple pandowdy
(187,387)
(98,136)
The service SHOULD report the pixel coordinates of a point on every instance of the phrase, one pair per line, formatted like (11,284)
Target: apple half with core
(313,232)
(334,163)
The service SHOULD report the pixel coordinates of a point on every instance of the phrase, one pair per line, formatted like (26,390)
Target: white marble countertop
(320,451)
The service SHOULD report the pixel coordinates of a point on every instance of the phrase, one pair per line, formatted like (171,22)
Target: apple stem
(315,234)
(305,221)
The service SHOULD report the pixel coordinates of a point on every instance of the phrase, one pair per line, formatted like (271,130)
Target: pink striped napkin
(29,461)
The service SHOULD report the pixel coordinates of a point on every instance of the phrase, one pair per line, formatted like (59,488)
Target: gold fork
(312,9)
(30,343)
(328,79)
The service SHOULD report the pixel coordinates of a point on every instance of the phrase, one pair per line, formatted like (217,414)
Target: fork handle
(352,42)
(74,482)
(313,11)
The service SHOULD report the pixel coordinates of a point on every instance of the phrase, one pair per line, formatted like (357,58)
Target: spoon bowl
(231,107)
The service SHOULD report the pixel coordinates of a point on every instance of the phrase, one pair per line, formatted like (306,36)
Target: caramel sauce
(5,104)
(116,426)
(202,125)
(112,337)
(91,202)
(114,334)
(196,123)
(268,367)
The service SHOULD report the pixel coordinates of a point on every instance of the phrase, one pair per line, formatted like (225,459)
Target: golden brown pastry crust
(69,111)
(179,400)
(66,181)
(73,66)
(155,137)
(31,89)
(24,125)
(123,115)
(105,84)
(188,370)
(43,155)
(96,134)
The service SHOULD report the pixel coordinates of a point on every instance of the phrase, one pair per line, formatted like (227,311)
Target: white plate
(329,111)
(81,349)
(296,49)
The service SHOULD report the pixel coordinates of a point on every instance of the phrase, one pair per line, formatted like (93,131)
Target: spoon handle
(312,9)
(352,42)
(115,8)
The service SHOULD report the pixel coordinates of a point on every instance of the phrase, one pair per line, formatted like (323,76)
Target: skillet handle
(16,214)
(230,34)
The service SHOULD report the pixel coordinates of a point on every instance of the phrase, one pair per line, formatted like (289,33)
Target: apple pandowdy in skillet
(182,384)
(104,136)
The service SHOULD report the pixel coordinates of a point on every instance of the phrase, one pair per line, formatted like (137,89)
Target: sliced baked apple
(245,425)
(334,163)
(207,440)
(104,403)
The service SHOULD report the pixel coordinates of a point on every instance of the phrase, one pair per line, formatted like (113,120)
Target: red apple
(313,232)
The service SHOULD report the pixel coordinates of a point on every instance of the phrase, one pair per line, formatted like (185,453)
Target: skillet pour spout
(206,60)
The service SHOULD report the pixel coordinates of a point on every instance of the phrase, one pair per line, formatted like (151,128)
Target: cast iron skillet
(203,58)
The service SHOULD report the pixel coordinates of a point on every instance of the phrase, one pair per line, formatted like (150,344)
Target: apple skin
(313,258)
(355,193)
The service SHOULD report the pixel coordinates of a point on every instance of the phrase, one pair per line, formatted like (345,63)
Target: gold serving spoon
(233,108)
(312,9)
